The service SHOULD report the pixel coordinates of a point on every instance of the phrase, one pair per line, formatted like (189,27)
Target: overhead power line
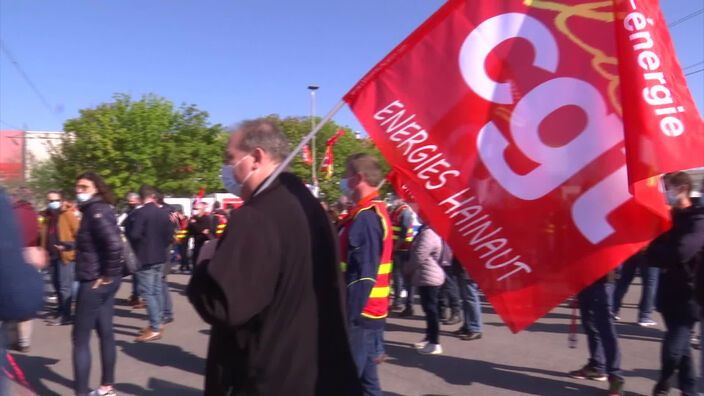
(694,72)
(693,65)
(686,17)
(26,77)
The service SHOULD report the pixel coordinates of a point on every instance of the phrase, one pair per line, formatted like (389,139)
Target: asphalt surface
(533,362)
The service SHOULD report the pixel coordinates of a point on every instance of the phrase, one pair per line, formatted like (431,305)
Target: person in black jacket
(676,252)
(273,289)
(149,230)
(98,270)
(199,227)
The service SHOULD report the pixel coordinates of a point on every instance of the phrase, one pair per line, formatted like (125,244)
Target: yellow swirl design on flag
(599,58)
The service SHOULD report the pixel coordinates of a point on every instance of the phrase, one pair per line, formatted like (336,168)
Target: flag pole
(303,142)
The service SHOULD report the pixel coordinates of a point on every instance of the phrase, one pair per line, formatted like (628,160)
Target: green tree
(148,141)
(297,127)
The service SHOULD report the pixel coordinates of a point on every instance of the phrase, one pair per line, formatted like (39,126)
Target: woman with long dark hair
(99,271)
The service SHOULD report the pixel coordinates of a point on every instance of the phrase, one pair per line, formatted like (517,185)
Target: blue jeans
(471,302)
(595,309)
(401,282)
(677,355)
(168,304)
(94,310)
(364,351)
(648,274)
(449,296)
(150,283)
(63,275)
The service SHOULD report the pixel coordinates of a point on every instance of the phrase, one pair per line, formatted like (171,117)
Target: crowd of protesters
(329,273)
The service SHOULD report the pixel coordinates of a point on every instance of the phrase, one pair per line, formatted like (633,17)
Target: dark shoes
(452,320)
(168,320)
(615,385)
(407,312)
(59,322)
(470,335)
(588,372)
(661,389)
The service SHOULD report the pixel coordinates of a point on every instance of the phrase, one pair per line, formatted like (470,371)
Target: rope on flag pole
(303,142)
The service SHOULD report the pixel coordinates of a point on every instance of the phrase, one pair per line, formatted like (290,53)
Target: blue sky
(236,60)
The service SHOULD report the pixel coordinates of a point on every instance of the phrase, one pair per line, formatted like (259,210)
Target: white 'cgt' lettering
(492,32)
(602,132)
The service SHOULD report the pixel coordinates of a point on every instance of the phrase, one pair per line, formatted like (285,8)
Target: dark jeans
(595,309)
(400,282)
(471,301)
(63,275)
(649,276)
(135,286)
(183,252)
(449,296)
(677,354)
(196,251)
(429,301)
(150,289)
(94,310)
(364,351)
(168,305)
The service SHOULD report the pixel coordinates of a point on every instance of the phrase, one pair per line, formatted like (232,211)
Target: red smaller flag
(307,158)
(334,138)
(327,165)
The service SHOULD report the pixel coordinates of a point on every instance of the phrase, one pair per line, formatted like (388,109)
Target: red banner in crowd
(503,119)
(327,166)
(307,159)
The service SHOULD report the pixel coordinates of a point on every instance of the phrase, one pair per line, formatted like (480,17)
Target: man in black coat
(150,230)
(676,252)
(273,289)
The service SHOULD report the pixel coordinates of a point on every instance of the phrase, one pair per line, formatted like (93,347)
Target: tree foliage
(297,127)
(148,141)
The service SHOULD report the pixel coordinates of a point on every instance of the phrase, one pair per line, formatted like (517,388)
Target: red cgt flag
(503,119)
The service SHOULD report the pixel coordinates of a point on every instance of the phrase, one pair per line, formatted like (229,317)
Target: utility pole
(312,89)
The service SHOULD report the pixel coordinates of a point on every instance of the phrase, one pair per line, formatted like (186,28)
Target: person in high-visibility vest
(402,225)
(181,240)
(219,218)
(366,242)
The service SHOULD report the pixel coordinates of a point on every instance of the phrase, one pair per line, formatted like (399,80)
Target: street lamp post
(312,89)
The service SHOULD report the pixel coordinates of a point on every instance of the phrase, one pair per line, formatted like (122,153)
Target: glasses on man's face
(54,200)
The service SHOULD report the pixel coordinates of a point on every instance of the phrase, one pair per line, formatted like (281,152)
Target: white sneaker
(98,392)
(420,345)
(431,349)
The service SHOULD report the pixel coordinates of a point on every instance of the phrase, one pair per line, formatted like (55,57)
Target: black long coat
(274,296)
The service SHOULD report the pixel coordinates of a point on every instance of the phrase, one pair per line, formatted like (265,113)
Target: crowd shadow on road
(157,387)
(465,372)
(164,355)
(37,370)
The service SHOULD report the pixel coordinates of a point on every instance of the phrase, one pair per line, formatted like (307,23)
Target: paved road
(532,362)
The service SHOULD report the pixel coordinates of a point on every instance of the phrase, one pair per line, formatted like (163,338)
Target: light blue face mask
(55,205)
(83,197)
(227,175)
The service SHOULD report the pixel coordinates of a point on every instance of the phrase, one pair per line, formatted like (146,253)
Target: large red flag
(503,119)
